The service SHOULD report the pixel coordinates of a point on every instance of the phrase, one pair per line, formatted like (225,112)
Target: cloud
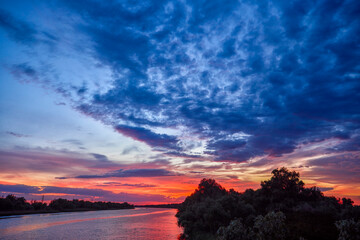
(73,142)
(76,191)
(244,79)
(24,72)
(129,150)
(338,169)
(51,161)
(19,188)
(31,192)
(62,165)
(349,144)
(149,137)
(183,155)
(18,30)
(148,172)
(19,135)
(100,157)
(325,189)
(137,185)
(284,99)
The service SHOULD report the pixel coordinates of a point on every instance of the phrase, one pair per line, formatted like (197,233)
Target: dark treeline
(282,209)
(12,203)
(170,205)
(63,204)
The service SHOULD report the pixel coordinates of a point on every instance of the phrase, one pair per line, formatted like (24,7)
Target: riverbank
(12,205)
(27,212)
(171,205)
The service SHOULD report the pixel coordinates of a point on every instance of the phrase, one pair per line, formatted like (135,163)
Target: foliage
(281,209)
(38,205)
(209,208)
(349,229)
(13,203)
(64,204)
(236,230)
(270,227)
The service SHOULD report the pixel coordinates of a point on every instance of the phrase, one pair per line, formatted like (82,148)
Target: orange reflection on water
(150,229)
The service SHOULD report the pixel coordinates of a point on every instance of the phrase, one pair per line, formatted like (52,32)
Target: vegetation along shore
(282,209)
(12,205)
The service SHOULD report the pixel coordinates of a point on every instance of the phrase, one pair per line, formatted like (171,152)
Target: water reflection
(143,224)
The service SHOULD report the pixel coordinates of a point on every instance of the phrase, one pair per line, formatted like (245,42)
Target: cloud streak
(99,194)
(121,173)
(149,137)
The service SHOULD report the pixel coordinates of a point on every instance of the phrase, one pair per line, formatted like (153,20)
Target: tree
(236,230)
(282,191)
(284,180)
(212,210)
(201,212)
(270,227)
(347,202)
(349,229)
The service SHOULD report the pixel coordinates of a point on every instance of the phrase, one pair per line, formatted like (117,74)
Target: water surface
(139,224)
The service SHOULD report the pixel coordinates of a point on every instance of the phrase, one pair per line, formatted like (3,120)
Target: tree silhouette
(281,209)
(284,180)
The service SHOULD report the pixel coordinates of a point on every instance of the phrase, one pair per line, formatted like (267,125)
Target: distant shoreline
(28,212)
(12,206)
(171,205)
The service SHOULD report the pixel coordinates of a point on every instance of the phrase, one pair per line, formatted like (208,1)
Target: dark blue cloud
(18,188)
(246,78)
(51,161)
(19,135)
(324,189)
(22,31)
(24,71)
(76,191)
(352,144)
(183,155)
(148,172)
(137,185)
(17,29)
(149,137)
(104,195)
(339,168)
(100,157)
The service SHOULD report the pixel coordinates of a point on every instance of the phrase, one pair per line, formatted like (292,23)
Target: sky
(138,101)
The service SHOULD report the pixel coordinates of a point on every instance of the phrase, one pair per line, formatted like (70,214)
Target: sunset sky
(139,100)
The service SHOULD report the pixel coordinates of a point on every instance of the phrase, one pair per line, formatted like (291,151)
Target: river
(137,224)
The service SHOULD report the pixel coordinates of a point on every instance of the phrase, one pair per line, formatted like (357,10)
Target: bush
(285,209)
(270,227)
(349,229)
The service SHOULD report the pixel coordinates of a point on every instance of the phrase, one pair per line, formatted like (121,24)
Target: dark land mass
(171,205)
(282,209)
(12,205)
